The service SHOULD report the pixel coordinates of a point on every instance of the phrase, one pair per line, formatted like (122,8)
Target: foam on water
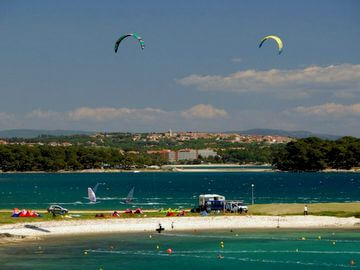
(190,254)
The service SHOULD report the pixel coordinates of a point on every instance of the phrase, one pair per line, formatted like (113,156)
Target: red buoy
(169,251)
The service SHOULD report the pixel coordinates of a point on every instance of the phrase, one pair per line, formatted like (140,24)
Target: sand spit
(118,225)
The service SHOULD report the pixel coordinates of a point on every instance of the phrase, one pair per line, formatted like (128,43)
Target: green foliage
(250,153)
(55,158)
(314,154)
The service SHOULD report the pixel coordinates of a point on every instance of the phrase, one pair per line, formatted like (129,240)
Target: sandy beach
(23,231)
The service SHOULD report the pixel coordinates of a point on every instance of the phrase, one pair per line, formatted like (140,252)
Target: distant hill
(293,134)
(33,133)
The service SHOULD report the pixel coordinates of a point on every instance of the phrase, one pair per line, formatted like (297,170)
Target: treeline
(314,154)
(251,153)
(255,153)
(126,142)
(310,154)
(49,158)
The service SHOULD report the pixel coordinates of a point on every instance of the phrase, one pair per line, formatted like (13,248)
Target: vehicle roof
(56,205)
(210,195)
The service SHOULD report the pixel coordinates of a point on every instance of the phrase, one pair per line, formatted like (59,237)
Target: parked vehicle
(57,210)
(212,202)
(236,207)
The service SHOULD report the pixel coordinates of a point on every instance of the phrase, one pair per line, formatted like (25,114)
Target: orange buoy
(169,250)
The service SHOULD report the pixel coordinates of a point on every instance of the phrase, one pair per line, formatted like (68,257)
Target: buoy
(319,237)
(85,252)
(236,235)
(297,250)
(334,242)
(150,236)
(169,251)
(303,238)
(352,262)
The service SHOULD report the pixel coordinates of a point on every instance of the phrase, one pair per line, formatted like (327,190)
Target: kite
(141,41)
(276,38)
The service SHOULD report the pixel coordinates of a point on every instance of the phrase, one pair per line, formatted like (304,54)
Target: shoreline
(40,230)
(176,170)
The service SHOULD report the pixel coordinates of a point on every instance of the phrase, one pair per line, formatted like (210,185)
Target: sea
(155,190)
(238,249)
(235,249)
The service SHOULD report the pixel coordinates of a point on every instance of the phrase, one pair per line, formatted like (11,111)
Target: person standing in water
(305,210)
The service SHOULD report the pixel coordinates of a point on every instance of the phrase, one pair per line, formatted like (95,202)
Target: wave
(67,203)
(147,203)
(269,251)
(240,237)
(110,198)
(190,254)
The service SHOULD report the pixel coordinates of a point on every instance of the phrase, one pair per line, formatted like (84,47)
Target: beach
(22,231)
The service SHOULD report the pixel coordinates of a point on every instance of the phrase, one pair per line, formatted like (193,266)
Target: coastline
(40,230)
(199,170)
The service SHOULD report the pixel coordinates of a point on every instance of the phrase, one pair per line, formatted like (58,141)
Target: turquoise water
(157,190)
(255,250)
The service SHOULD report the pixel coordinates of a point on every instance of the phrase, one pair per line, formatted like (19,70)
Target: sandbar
(37,230)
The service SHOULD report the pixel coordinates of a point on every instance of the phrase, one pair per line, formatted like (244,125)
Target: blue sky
(201,68)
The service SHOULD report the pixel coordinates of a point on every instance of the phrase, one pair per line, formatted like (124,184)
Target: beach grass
(317,209)
(288,209)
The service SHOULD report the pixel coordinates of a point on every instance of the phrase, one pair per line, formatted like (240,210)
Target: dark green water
(197,250)
(156,190)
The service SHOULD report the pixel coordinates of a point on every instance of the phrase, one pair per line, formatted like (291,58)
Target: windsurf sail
(97,185)
(91,195)
(130,196)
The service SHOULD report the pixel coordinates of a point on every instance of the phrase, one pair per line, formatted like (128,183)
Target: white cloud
(330,109)
(104,114)
(4,117)
(301,82)
(7,120)
(101,114)
(43,114)
(236,60)
(204,111)
(108,113)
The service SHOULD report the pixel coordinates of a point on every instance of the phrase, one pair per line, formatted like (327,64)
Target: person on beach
(305,210)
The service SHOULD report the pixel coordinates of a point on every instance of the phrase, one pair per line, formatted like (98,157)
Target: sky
(201,69)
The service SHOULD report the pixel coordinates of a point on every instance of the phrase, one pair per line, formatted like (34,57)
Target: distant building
(205,153)
(184,154)
(187,154)
(66,144)
(173,156)
(3,142)
(163,153)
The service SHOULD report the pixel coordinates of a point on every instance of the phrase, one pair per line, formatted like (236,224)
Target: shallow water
(243,249)
(156,190)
